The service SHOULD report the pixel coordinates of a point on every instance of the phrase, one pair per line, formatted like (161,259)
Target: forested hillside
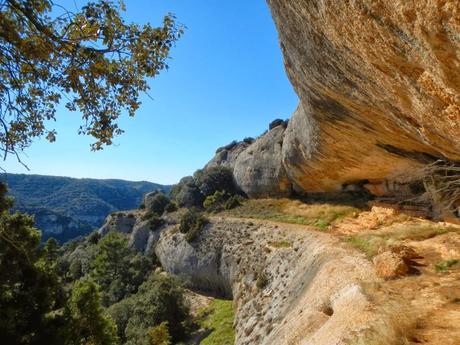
(67,207)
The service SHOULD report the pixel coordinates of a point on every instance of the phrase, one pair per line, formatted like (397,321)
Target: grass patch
(281,244)
(293,211)
(283,218)
(419,232)
(366,243)
(445,265)
(369,243)
(218,317)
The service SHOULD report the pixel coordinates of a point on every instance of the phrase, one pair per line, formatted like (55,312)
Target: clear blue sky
(226,81)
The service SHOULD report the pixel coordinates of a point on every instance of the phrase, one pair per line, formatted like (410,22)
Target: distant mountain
(66,207)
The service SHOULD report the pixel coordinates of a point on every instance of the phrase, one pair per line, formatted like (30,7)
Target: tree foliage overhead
(90,59)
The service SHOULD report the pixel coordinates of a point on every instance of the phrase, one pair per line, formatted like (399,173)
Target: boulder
(390,265)
(140,235)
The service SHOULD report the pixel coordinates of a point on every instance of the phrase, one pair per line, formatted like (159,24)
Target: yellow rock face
(379,83)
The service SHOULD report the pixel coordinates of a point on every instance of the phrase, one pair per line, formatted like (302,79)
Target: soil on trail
(429,296)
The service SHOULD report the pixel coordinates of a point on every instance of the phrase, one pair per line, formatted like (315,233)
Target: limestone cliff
(290,286)
(379,85)
(379,89)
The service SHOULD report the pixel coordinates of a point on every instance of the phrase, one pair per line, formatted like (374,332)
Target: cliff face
(257,164)
(292,284)
(379,89)
(379,85)
(289,285)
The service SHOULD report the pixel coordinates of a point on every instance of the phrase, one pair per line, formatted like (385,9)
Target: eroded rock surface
(258,170)
(290,286)
(379,85)
(226,156)
(389,265)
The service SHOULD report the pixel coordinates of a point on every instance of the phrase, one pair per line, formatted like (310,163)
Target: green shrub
(191,191)
(159,302)
(215,202)
(154,222)
(157,203)
(88,319)
(445,265)
(215,179)
(192,223)
(171,207)
(94,237)
(159,299)
(117,268)
(186,193)
(221,200)
(159,335)
(232,202)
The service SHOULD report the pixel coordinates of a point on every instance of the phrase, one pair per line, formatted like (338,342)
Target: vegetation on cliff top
(192,191)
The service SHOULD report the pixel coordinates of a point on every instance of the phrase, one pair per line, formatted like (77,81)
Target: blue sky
(226,81)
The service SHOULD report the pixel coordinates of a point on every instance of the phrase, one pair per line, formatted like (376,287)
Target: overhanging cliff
(379,89)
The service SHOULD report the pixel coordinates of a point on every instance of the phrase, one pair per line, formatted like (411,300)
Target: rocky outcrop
(258,170)
(226,156)
(141,236)
(289,285)
(389,265)
(256,164)
(379,89)
(119,221)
